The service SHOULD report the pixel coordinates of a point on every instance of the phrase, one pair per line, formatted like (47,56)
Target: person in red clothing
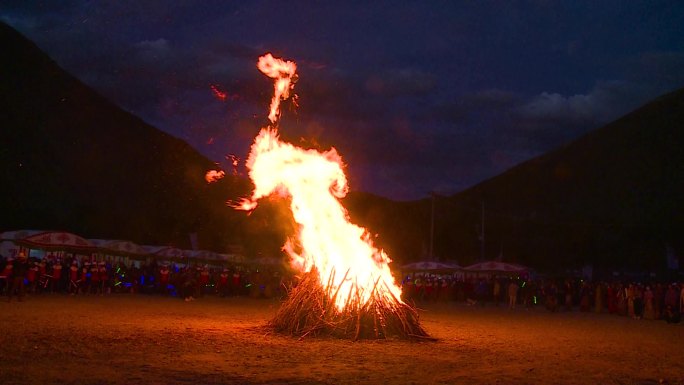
(236,282)
(31,277)
(612,299)
(222,286)
(42,269)
(84,280)
(429,288)
(104,278)
(203,280)
(42,276)
(73,277)
(6,276)
(19,271)
(94,278)
(55,284)
(164,274)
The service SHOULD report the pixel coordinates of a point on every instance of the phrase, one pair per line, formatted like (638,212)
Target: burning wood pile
(363,303)
(310,310)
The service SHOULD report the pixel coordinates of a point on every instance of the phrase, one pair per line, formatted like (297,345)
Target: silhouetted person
(19,269)
(512,294)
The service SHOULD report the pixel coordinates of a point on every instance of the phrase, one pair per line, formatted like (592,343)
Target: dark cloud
(416,96)
(604,102)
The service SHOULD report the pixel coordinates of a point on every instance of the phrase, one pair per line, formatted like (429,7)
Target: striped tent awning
(48,240)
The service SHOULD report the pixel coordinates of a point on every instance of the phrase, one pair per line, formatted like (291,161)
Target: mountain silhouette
(72,160)
(612,199)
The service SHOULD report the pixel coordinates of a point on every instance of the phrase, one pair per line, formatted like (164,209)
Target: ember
(346,289)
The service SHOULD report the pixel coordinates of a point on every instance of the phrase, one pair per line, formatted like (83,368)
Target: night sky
(416,96)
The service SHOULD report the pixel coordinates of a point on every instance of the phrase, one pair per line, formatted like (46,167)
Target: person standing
(671,299)
(95,278)
(638,302)
(530,294)
(84,284)
(630,300)
(611,298)
(73,277)
(236,285)
(496,291)
(55,284)
(598,298)
(42,276)
(6,276)
(681,299)
(648,304)
(512,294)
(222,286)
(551,297)
(188,284)
(585,295)
(164,274)
(203,280)
(31,277)
(481,292)
(20,268)
(567,294)
(104,278)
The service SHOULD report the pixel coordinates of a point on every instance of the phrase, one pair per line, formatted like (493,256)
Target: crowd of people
(85,275)
(652,300)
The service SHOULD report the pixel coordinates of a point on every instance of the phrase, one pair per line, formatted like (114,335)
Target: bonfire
(310,309)
(345,287)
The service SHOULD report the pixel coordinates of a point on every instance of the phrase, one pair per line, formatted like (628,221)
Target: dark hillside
(612,197)
(73,160)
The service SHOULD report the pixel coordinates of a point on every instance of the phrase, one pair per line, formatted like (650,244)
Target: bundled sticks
(310,310)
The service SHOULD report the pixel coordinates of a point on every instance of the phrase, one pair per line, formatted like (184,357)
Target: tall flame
(342,252)
(284,73)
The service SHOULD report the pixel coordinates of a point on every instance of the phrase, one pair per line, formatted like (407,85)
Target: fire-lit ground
(126,339)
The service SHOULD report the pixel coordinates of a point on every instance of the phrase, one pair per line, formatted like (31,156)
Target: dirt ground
(138,339)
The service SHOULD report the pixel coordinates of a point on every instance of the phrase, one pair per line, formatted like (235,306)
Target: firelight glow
(342,252)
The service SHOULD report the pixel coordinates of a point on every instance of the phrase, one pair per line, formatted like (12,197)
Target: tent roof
(234,258)
(496,267)
(48,240)
(430,266)
(118,246)
(200,254)
(163,251)
(18,234)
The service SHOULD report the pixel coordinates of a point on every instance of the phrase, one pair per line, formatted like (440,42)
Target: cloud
(646,76)
(604,102)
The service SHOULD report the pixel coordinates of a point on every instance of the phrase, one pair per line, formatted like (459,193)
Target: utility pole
(432,228)
(482,234)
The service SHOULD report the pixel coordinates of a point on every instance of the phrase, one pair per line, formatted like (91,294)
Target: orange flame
(341,251)
(214,175)
(218,94)
(284,73)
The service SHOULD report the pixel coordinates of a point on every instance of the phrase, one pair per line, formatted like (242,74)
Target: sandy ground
(137,339)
